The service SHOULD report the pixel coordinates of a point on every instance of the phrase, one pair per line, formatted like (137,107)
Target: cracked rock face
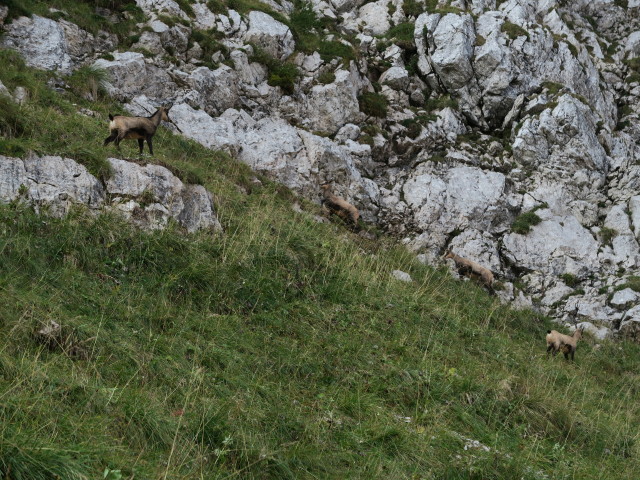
(271,35)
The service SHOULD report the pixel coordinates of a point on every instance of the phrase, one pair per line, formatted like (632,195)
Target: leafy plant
(523,222)
(513,31)
(373,104)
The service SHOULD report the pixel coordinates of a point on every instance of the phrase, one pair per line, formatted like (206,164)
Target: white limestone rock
(625,246)
(461,197)
(271,35)
(623,299)
(218,88)
(41,41)
(153,7)
(329,107)
(396,77)
(402,276)
(130,76)
(557,245)
(373,18)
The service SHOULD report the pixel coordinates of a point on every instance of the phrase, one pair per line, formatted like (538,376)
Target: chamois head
(164,113)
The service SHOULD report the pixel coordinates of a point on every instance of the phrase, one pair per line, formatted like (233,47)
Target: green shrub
(373,104)
(412,8)
(281,74)
(186,7)
(89,82)
(524,222)
(326,77)
(607,235)
(513,31)
(217,6)
(569,279)
(403,35)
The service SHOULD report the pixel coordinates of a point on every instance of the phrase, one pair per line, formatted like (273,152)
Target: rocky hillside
(505,130)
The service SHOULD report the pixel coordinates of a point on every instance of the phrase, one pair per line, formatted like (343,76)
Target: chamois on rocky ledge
(140,128)
(339,206)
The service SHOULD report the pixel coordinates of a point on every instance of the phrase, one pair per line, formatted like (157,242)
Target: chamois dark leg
(150,144)
(109,139)
(549,348)
(141,145)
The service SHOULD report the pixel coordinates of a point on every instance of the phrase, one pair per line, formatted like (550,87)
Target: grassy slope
(282,349)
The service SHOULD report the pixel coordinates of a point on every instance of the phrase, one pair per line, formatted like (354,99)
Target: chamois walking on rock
(140,128)
(472,269)
(557,341)
(339,206)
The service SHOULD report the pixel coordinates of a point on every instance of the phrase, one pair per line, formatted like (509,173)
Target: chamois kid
(140,128)
(557,341)
(472,269)
(339,206)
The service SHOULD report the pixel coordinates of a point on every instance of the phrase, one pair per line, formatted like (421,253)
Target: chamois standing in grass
(339,206)
(472,269)
(140,128)
(557,341)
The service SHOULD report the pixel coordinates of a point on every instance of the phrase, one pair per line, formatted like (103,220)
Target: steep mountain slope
(283,347)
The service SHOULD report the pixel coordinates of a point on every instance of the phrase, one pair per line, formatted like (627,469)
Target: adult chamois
(339,206)
(558,342)
(140,128)
(472,269)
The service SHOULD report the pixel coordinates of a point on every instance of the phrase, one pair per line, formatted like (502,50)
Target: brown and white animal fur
(339,206)
(140,128)
(557,341)
(471,269)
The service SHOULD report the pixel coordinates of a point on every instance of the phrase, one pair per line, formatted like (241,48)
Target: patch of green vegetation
(570,279)
(326,77)
(439,103)
(523,222)
(413,127)
(438,157)
(607,235)
(217,6)
(632,282)
(186,7)
(402,35)
(552,87)
(373,104)
(89,82)
(513,31)
(621,3)
(413,8)
(633,64)
(541,107)
(480,40)
(281,74)
(633,77)
(210,44)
